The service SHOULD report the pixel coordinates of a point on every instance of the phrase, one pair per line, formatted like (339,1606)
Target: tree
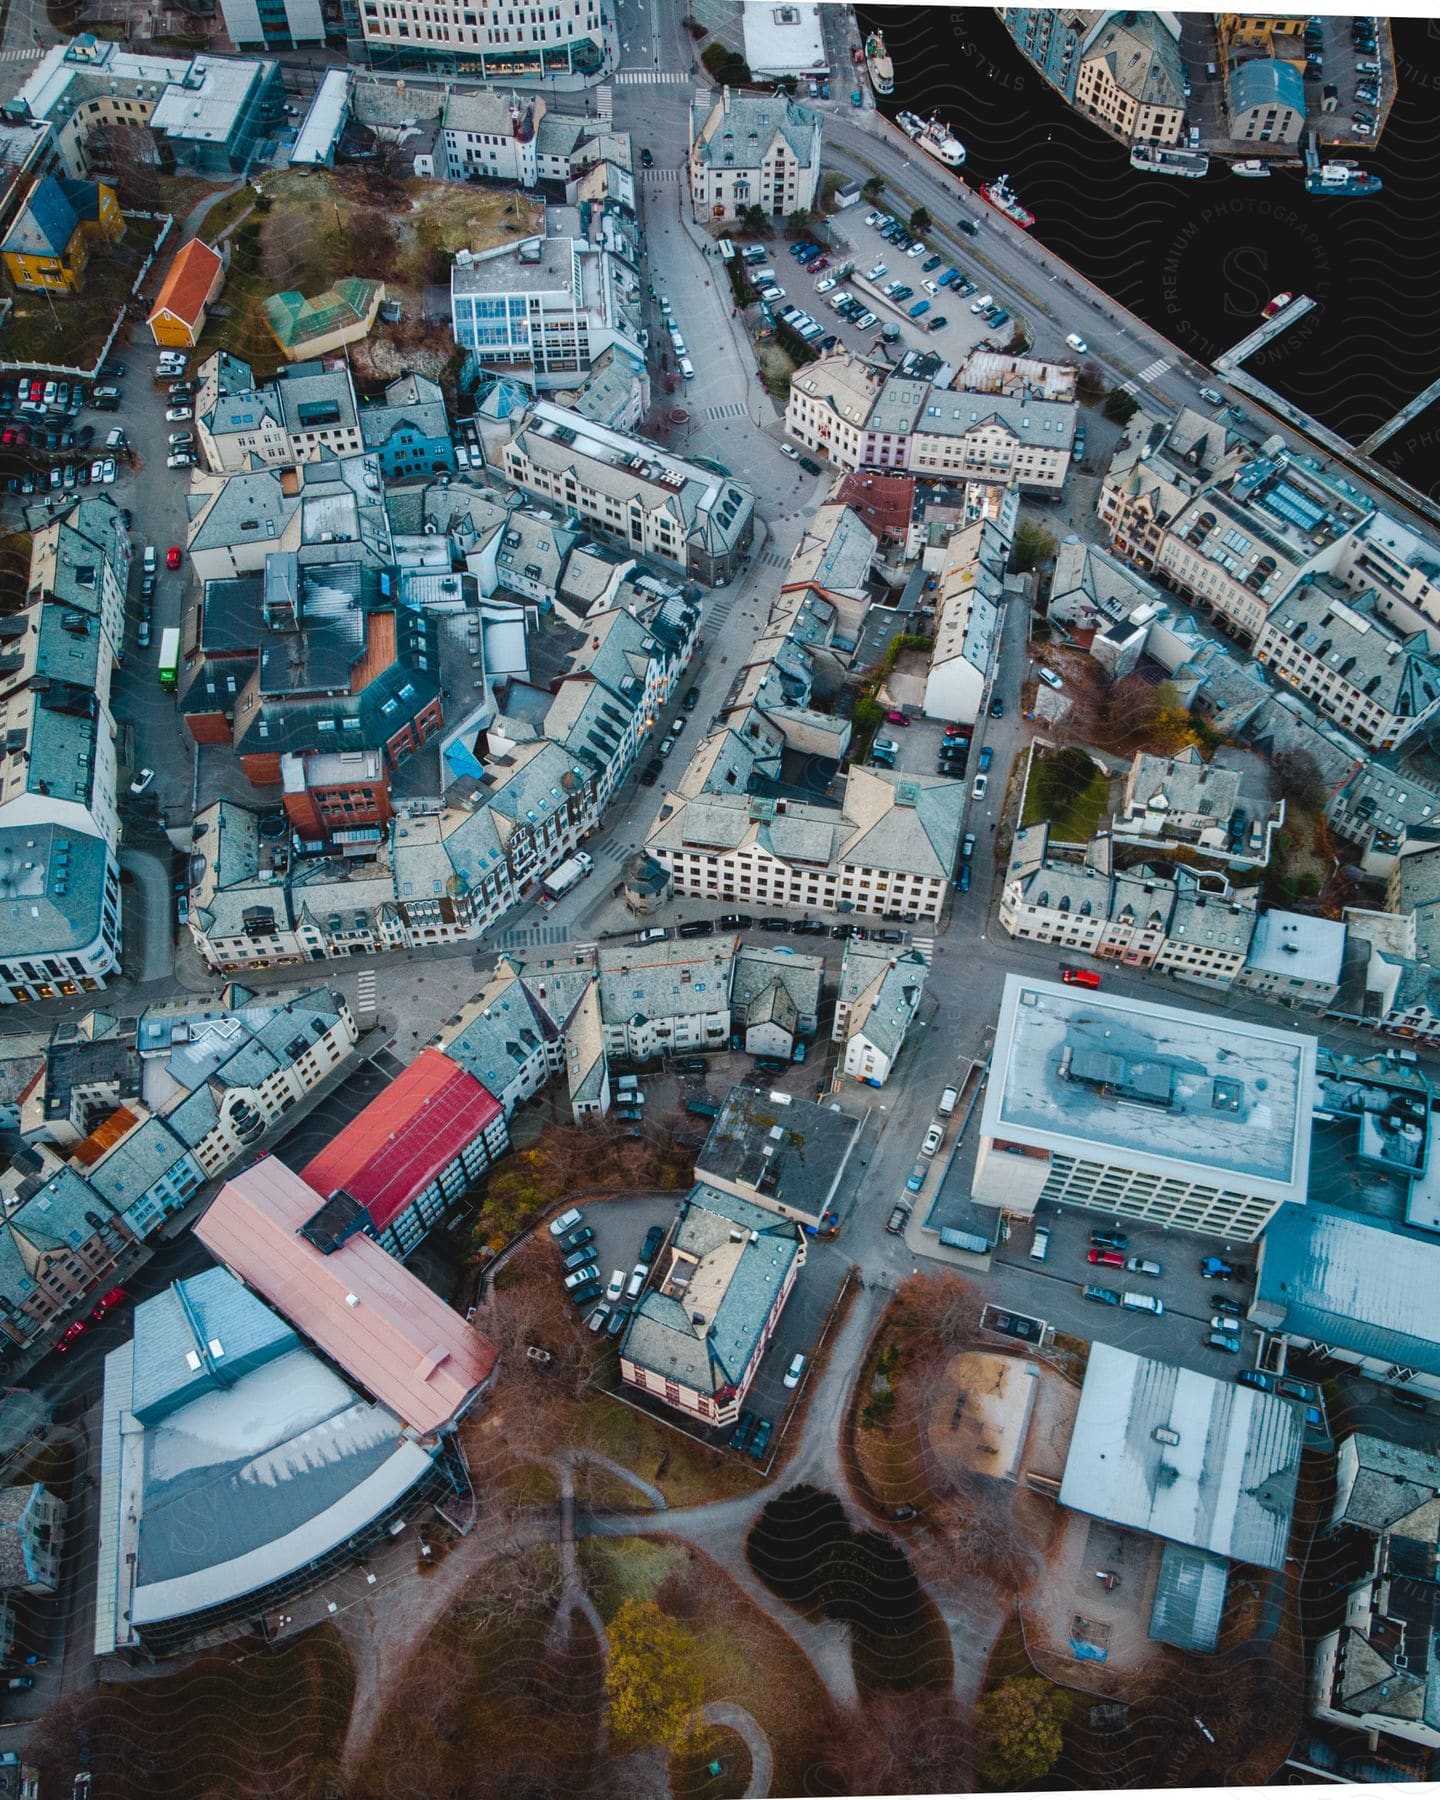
(652,1678)
(1090,380)
(1298,778)
(372,241)
(1021,1725)
(129,155)
(1033,545)
(798,223)
(920,220)
(916,1743)
(754,218)
(1120,406)
(873,189)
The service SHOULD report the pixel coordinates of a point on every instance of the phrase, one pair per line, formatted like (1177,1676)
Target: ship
(1161,159)
(1251,170)
(932,137)
(1003,198)
(1339,180)
(878,64)
(1278,304)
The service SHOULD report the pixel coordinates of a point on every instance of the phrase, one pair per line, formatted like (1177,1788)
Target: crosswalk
(529,937)
(733,409)
(773,559)
(14,56)
(660,177)
(1152,373)
(926,947)
(651,78)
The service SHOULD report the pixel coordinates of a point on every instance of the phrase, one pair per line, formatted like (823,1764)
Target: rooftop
(787,1151)
(1157,1088)
(1189,1457)
(665,980)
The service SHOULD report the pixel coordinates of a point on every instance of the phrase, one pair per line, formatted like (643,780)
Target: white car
(917,250)
(865,321)
(873,218)
(824,284)
(790,451)
(981,787)
(175,415)
(180,459)
(142,781)
(566,1222)
(1050,678)
(1076,342)
(579,1277)
(107,472)
(617,1285)
(875,273)
(792,1374)
(978,306)
(97,472)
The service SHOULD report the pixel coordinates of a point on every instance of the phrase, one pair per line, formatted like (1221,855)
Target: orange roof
(187,285)
(106,1135)
(365,1310)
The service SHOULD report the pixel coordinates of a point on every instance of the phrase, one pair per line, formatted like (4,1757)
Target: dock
(1242,352)
(1426,397)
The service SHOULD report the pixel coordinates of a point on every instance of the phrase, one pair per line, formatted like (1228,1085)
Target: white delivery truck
(560,881)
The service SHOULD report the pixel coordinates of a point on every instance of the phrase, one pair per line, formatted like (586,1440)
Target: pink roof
(398,1340)
(402,1140)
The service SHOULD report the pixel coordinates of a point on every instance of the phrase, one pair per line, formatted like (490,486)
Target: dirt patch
(1079,1629)
(981,1411)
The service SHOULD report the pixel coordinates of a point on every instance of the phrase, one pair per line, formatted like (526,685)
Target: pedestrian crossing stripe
(732,409)
(14,56)
(651,78)
(660,175)
(926,947)
(1155,371)
(1128,387)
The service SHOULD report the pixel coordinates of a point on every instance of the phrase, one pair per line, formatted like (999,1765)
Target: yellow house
(49,244)
(1278,35)
(191,283)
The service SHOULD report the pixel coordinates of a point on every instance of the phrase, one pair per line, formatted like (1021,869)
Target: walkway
(746,1726)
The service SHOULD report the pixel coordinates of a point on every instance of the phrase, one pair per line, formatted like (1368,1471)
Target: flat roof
(325,120)
(782,38)
(1156,1088)
(1189,1457)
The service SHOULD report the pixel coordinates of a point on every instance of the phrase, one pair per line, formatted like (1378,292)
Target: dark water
(1198,259)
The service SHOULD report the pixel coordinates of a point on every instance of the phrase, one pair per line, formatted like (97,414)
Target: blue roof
(47,222)
(198,1336)
(1264,82)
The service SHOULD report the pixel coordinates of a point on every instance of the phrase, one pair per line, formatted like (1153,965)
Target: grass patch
(743,1656)
(530,1484)
(690,1777)
(1067,789)
(279,1716)
(687,1473)
(69,330)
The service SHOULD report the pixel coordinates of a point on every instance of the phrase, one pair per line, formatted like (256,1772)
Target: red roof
(884,502)
(365,1310)
(188,284)
(388,1153)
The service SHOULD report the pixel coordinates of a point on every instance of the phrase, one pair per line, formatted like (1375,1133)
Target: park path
(746,1726)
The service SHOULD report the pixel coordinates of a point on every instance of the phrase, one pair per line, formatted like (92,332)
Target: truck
(568,875)
(169,657)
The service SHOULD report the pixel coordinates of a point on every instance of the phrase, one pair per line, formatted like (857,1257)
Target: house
(57,229)
(306,328)
(395,1169)
(1265,101)
(1295,959)
(779,1152)
(701,1328)
(32,1533)
(878,998)
(1131,79)
(969,595)
(775,998)
(408,430)
(752,150)
(665,997)
(191,283)
(58,1242)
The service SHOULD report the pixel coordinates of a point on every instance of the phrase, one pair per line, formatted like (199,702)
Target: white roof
(325,120)
(1297,946)
(1186,1456)
(784,39)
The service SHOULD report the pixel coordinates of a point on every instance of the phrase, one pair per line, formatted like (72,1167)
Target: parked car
(566,1222)
(771,1065)
(173,557)
(1222,1303)
(760,1443)
(572,1240)
(654,1238)
(793,1373)
(1224,1322)
(1217,1340)
(734,922)
(581,1297)
(1076,342)
(1142,1265)
(1254,1378)
(774,924)
(1080,978)
(740,1436)
(1102,1296)
(1105,1259)
(578,1277)
(1110,1240)
(1411,1402)
(577,1259)
(980,788)
(899,1213)
(1215,1268)
(142,781)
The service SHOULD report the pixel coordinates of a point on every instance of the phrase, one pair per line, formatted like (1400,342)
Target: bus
(727,250)
(169,658)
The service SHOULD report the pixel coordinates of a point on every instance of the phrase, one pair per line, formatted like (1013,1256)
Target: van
(934,1137)
(687,368)
(628,1084)
(762,277)
(754,253)
(727,250)
(947,1102)
(1150,1303)
(1040,1246)
(149,559)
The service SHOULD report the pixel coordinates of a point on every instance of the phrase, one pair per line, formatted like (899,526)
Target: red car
(172,557)
(896,718)
(70,1333)
(1106,1259)
(107,1302)
(1080,977)
(820,263)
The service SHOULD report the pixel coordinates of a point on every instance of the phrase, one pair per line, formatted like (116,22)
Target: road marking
(660,175)
(926,947)
(733,409)
(14,56)
(650,77)
(524,937)
(1155,371)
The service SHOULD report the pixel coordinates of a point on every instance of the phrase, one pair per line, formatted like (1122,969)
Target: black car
(697,928)
(1222,1303)
(112,371)
(889,937)
(572,1240)
(969,227)
(774,924)
(735,921)
(848,931)
(740,1436)
(1411,1402)
(617,1321)
(1109,1240)
(1103,1296)
(997,709)
(647,159)
(585,1296)
(930,263)
(895,1224)
(631,1115)
(808,463)
(771,1065)
(809,928)
(654,1238)
(692,699)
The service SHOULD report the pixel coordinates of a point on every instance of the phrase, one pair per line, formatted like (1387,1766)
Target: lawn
(743,1656)
(1067,789)
(265,1724)
(69,330)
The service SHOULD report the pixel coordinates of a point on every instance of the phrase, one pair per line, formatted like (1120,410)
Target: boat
(1251,169)
(1003,198)
(1340,180)
(1161,159)
(1278,304)
(933,138)
(878,64)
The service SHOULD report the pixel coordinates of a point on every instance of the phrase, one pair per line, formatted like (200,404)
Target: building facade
(570,38)
(748,151)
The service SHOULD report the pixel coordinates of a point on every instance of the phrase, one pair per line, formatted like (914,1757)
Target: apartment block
(1051,38)
(879,995)
(665,997)
(569,38)
(748,150)
(969,595)
(1131,79)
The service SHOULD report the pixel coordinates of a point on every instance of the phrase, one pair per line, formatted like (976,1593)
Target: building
(57,229)
(879,995)
(748,150)
(1143,1111)
(268,26)
(890,849)
(700,1330)
(410,1156)
(779,1152)
(323,126)
(573,38)
(969,594)
(206,114)
(486,135)
(59,1242)
(1262,34)
(542,310)
(665,997)
(655,503)
(306,328)
(1051,39)
(1186,1457)
(1295,959)
(1378,685)
(191,283)
(409,431)
(775,999)
(1265,101)
(1131,78)
(379,1324)
(1376,1673)
(32,1534)
(783,38)
(238,1468)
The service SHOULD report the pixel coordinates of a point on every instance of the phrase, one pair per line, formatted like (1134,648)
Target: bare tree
(128,153)
(916,1743)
